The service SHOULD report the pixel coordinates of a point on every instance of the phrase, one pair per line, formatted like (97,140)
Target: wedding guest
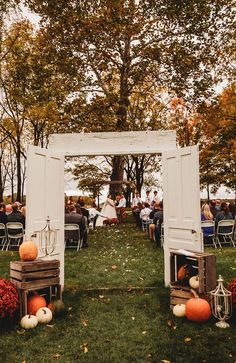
(136,213)
(75,218)
(206,215)
(155,227)
(224,213)
(148,198)
(120,209)
(137,199)
(81,201)
(145,212)
(155,197)
(8,209)
(16,215)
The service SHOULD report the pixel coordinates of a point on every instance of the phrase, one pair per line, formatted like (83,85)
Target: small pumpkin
(28,251)
(194,282)
(44,315)
(29,321)
(57,307)
(197,309)
(34,303)
(182,272)
(179,310)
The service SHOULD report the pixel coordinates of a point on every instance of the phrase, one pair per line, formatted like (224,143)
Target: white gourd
(29,322)
(44,315)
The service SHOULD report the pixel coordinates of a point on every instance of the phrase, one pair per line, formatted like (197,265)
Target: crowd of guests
(217,211)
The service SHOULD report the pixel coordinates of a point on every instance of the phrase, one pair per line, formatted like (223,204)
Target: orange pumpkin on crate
(34,303)
(183,272)
(28,251)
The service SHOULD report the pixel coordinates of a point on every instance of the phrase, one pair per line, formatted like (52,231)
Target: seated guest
(232,208)
(81,201)
(136,213)
(224,213)
(206,215)
(75,218)
(16,215)
(3,216)
(155,209)
(8,209)
(213,209)
(155,227)
(145,212)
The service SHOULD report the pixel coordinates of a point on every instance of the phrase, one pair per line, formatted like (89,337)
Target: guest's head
(137,194)
(147,193)
(224,208)
(109,196)
(8,209)
(15,207)
(78,208)
(146,205)
(155,193)
(206,211)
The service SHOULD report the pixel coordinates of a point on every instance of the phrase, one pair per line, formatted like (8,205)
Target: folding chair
(3,235)
(225,230)
(210,236)
(73,229)
(15,233)
(145,224)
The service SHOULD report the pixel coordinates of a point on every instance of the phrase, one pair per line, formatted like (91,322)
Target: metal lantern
(221,304)
(47,239)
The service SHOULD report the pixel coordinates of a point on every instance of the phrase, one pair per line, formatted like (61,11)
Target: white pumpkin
(44,315)
(194,282)
(29,322)
(179,310)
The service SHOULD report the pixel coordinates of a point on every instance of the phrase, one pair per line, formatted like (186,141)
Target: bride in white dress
(108,210)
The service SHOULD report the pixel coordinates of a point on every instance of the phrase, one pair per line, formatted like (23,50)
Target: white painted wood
(45,196)
(181,197)
(113,143)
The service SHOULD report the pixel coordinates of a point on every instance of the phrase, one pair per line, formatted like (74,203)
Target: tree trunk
(208,193)
(117,174)
(1,184)
(18,171)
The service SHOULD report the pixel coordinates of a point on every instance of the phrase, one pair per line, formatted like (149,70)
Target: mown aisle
(118,256)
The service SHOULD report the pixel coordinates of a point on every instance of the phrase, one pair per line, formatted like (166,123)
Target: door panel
(181,196)
(45,197)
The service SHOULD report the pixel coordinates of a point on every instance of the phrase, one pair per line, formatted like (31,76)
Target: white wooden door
(45,197)
(181,197)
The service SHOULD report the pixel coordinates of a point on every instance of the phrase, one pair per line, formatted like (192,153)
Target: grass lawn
(108,321)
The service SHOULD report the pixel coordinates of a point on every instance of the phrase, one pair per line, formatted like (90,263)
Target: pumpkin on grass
(34,303)
(29,322)
(179,310)
(57,307)
(44,315)
(197,309)
(28,251)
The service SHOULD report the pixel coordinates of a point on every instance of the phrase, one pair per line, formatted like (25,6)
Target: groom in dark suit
(76,218)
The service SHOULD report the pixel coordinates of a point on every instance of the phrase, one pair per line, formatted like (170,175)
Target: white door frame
(111,143)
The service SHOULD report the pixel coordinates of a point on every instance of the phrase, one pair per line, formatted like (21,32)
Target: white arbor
(45,183)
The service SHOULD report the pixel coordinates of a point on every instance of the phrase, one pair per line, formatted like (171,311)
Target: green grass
(119,324)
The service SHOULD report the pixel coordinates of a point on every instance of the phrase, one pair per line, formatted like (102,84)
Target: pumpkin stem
(194,293)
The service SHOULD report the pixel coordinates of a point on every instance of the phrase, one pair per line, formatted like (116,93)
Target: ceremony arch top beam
(113,143)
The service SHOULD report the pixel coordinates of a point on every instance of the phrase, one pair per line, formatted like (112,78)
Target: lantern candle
(221,304)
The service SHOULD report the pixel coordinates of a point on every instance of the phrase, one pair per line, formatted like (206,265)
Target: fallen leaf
(165,361)
(50,325)
(187,339)
(144,332)
(69,308)
(140,278)
(22,331)
(101,296)
(56,355)
(85,322)
(133,318)
(85,347)
(85,350)
(114,267)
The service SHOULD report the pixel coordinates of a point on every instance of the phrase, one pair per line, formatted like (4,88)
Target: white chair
(73,229)
(145,224)
(227,233)
(15,234)
(3,235)
(211,236)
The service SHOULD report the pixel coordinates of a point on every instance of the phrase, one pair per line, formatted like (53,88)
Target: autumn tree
(119,46)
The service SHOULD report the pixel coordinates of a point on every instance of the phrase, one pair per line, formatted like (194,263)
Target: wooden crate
(181,294)
(35,274)
(39,276)
(201,264)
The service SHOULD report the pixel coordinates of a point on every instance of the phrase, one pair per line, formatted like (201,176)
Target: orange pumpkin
(182,272)
(28,251)
(34,303)
(197,309)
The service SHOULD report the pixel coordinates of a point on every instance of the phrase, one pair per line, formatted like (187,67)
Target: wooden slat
(181,293)
(210,279)
(201,274)
(174,300)
(36,284)
(34,265)
(22,276)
